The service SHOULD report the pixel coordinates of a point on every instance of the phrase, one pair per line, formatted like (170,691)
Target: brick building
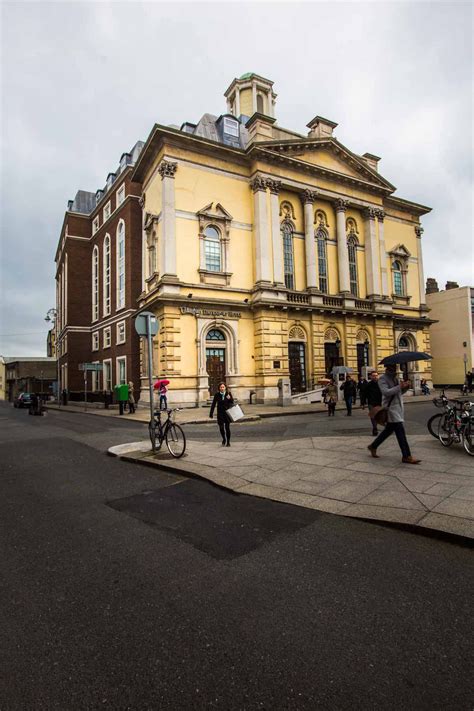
(98,281)
(29,375)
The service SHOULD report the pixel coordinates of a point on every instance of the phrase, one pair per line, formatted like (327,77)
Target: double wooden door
(297,363)
(215,366)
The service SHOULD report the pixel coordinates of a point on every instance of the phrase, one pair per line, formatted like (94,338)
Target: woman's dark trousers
(225,431)
(399,430)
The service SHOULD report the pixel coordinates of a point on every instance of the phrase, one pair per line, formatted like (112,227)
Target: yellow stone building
(268,254)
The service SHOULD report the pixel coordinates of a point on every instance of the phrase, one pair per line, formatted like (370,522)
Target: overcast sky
(83,81)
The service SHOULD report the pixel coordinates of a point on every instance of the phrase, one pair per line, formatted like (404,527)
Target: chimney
(431,286)
(259,128)
(451,285)
(70,203)
(371,160)
(320,127)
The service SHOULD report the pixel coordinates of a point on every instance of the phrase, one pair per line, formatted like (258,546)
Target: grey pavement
(336,474)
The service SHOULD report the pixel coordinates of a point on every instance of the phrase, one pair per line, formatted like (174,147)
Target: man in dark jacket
(362,388)
(222,401)
(349,390)
(374,397)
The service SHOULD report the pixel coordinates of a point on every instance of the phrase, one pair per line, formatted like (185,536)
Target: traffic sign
(142,321)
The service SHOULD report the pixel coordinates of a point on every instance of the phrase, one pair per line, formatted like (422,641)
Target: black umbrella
(405,357)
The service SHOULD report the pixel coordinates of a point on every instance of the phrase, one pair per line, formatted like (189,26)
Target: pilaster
(167,170)
(277,242)
(372,267)
(342,253)
(262,247)
(383,254)
(421,277)
(308,197)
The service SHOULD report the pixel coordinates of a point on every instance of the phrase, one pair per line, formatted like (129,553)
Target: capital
(419,231)
(341,205)
(258,183)
(167,169)
(274,186)
(309,196)
(380,215)
(370,213)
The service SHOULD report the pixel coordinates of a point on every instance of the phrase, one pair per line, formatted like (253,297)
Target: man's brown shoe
(373,451)
(410,460)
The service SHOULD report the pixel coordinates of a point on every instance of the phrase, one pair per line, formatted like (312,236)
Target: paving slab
(335,475)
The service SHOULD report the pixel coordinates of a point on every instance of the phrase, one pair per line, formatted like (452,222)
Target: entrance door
(297,360)
(331,357)
(362,357)
(215,366)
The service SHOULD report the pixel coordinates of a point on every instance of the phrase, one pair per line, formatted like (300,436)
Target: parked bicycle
(433,422)
(457,425)
(167,431)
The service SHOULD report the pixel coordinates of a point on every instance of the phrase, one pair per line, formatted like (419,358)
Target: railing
(297,298)
(363,305)
(332,301)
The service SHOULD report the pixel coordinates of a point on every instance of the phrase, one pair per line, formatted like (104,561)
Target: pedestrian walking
(349,390)
(470,378)
(374,398)
(392,400)
(362,390)
(331,397)
(222,401)
(131,398)
(163,396)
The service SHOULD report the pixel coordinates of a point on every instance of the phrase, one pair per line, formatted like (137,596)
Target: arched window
(212,249)
(288,261)
(95,283)
(321,236)
(398,289)
(215,335)
(403,342)
(351,248)
(121,265)
(260,104)
(106,260)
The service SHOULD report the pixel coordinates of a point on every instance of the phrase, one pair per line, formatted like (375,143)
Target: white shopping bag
(235,413)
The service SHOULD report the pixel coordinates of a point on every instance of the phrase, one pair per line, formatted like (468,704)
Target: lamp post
(52,315)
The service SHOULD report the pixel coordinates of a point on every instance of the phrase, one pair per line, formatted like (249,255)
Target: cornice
(407,206)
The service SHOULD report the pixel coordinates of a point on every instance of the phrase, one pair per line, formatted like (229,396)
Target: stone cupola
(250,94)
(320,127)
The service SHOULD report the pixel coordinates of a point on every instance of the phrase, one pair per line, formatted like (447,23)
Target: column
(383,254)
(262,251)
(277,242)
(167,171)
(342,253)
(254,97)
(421,276)
(372,268)
(308,198)
(237,102)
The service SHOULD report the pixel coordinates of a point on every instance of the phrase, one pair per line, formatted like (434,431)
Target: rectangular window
(398,283)
(107,374)
(288,259)
(95,225)
(121,332)
(322,265)
(120,195)
(106,212)
(95,341)
(121,370)
(107,337)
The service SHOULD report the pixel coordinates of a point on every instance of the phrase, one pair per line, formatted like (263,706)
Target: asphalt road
(124,588)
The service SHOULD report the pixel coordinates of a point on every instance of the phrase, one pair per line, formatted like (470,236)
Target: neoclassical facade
(268,254)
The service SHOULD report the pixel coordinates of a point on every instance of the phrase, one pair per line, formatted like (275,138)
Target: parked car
(22,400)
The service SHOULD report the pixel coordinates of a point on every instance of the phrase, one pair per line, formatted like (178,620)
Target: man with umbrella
(392,401)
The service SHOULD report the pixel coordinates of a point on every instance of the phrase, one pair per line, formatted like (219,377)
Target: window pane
(322,263)
(215,335)
(398,283)
(288,256)
(353,267)
(212,251)
(211,233)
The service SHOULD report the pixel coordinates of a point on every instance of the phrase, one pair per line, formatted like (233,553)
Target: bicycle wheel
(468,439)
(433,424)
(154,434)
(445,430)
(175,441)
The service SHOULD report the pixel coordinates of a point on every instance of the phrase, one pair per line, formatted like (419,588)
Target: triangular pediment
(218,212)
(400,251)
(326,154)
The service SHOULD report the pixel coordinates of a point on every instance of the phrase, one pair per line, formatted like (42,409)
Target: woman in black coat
(223,400)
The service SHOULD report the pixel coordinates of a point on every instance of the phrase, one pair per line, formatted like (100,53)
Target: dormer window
(124,160)
(231,127)
(110,180)
(98,196)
